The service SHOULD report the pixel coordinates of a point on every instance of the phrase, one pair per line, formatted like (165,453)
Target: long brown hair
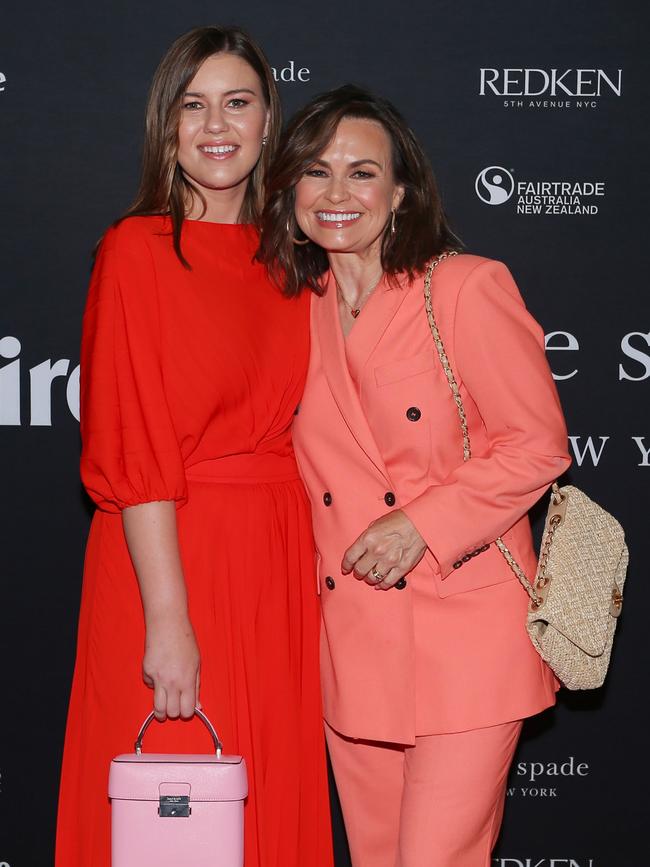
(421,229)
(163,187)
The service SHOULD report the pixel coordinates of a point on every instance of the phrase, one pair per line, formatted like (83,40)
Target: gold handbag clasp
(557,507)
(616,605)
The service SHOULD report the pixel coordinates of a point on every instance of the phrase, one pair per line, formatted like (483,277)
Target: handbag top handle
(218,746)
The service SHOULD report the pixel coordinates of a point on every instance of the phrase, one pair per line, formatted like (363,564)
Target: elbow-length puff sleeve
(500,361)
(130,452)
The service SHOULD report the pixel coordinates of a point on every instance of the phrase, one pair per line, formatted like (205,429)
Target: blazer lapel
(335,365)
(378,313)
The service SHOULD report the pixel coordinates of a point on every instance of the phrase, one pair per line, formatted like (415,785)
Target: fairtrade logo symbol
(494,185)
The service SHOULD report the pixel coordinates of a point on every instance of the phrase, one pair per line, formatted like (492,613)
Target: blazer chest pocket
(395,371)
(399,409)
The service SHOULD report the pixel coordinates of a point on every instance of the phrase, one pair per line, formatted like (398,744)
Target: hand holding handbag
(577,595)
(171,809)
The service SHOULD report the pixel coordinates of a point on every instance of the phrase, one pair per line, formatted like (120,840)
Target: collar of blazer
(366,333)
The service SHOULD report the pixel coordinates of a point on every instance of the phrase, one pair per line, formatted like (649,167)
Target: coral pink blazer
(378,429)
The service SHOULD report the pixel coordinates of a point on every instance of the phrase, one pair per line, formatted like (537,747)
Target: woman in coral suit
(427,670)
(200,553)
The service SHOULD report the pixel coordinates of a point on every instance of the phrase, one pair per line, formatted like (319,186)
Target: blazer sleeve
(499,359)
(130,453)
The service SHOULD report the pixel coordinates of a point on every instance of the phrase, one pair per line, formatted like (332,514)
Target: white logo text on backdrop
(532,86)
(567,342)
(289,73)
(543,862)
(43,375)
(543,779)
(495,185)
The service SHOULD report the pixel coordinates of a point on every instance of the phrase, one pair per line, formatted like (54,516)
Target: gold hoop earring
(392,221)
(295,240)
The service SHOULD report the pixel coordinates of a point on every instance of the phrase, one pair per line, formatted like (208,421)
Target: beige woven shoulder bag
(577,595)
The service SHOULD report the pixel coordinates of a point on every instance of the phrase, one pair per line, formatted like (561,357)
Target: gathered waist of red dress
(245,469)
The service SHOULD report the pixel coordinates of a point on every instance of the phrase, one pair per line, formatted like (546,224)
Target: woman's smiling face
(344,199)
(223,118)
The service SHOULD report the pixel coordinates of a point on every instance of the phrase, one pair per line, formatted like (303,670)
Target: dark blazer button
(413,413)
(401,584)
(389,498)
(466,558)
(330,583)
(327,498)
(484,548)
(475,552)
(458,564)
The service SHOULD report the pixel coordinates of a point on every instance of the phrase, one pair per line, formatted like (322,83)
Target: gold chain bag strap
(576,596)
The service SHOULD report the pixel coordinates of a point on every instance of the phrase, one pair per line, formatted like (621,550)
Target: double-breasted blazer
(378,429)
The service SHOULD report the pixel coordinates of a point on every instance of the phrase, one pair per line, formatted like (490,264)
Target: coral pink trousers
(436,804)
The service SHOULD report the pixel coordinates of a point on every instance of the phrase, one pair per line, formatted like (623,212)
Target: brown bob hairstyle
(421,229)
(163,187)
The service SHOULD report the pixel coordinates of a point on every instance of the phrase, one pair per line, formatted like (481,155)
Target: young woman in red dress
(200,553)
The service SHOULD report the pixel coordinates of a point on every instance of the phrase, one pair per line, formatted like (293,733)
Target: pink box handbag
(175,809)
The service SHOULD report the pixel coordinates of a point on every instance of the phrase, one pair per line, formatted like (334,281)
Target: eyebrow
(227,92)
(353,165)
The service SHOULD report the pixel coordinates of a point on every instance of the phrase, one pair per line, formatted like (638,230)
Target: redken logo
(550,88)
(542,862)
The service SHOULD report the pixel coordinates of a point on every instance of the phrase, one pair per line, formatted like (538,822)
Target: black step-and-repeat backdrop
(535,118)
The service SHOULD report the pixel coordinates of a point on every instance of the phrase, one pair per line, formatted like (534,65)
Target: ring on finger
(376,574)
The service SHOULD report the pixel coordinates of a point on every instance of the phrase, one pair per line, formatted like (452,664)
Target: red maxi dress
(190,383)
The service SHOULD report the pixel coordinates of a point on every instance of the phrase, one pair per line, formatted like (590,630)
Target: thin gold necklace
(354,311)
